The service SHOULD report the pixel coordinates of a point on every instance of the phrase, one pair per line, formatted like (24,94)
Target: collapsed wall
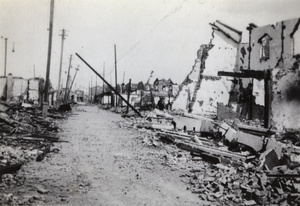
(203,88)
(214,89)
(191,84)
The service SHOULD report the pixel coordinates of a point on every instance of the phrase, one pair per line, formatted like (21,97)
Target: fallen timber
(111,87)
(183,136)
(181,142)
(256,130)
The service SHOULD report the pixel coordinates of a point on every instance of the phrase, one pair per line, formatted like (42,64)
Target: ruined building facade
(256,80)
(276,48)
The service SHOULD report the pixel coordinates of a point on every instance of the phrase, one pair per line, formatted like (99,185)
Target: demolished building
(256,81)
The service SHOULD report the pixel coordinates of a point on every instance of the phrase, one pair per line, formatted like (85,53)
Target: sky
(162,36)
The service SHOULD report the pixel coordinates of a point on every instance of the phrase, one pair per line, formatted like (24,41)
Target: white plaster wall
(222,57)
(33,84)
(275,46)
(289,42)
(19,87)
(33,95)
(210,93)
(286,104)
(181,102)
(2,86)
(259,91)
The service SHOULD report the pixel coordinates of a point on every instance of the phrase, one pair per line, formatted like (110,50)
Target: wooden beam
(244,74)
(268,99)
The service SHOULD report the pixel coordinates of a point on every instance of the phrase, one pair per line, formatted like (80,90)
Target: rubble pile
(24,136)
(231,162)
(247,185)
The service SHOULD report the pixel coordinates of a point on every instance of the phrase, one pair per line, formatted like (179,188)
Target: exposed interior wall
(259,92)
(286,99)
(284,60)
(9,86)
(33,89)
(3,87)
(290,42)
(214,89)
(19,87)
(187,88)
(211,92)
(257,62)
(243,57)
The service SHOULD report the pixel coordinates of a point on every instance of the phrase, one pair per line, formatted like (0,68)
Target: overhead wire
(173,11)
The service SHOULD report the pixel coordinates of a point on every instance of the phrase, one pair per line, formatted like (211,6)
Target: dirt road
(104,164)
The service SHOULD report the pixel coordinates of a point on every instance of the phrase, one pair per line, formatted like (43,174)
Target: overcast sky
(158,35)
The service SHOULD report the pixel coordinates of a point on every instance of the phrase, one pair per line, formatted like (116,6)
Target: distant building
(79,95)
(162,85)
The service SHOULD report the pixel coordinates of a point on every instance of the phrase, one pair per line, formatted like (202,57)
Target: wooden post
(116,101)
(128,92)
(268,99)
(60,64)
(45,103)
(77,69)
(67,82)
(5,58)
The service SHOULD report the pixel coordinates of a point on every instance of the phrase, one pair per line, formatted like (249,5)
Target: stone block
(250,140)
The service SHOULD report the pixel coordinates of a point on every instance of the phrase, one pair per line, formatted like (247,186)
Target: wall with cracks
(203,88)
(277,47)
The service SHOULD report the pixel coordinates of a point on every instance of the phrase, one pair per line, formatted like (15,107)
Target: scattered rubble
(244,164)
(24,136)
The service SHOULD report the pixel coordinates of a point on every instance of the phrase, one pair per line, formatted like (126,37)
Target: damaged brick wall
(277,47)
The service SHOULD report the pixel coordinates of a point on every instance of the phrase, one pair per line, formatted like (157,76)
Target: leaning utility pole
(96,87)
(116,75)
(103,75)
(67,82)
(111,87)
(45,102)
(77,69)
(61,58)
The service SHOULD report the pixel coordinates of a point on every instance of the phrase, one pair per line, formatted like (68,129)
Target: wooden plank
(210,150)
(256,130)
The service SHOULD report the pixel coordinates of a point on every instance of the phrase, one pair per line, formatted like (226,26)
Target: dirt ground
(105,164)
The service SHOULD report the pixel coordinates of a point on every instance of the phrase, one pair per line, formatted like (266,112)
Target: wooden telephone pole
(116,75)
(103,76)
(60,64)
(45,103)
(67,82)
(5,58)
